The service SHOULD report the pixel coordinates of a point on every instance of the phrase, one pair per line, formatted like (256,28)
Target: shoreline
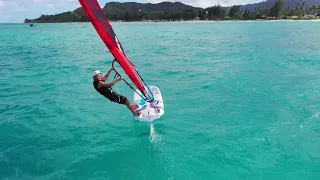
(234,20)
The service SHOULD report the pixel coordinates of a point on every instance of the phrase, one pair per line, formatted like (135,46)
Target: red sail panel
(106,33)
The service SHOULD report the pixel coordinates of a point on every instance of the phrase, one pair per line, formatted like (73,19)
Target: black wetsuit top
(109,93)
(105,91)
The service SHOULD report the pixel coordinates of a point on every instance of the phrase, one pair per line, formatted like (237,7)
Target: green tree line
(211,13)
(278,10)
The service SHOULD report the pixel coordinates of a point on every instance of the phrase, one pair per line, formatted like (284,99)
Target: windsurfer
(105,89)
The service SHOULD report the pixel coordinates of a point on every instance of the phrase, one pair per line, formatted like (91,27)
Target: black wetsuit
(110,94)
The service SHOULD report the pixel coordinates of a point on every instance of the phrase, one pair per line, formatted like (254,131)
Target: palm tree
(308,9)
(287,11)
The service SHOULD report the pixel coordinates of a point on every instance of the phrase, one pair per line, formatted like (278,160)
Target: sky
(15,11)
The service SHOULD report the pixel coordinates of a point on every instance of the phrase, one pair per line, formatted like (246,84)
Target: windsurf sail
(108,36)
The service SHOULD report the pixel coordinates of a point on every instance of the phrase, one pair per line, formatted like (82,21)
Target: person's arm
(105,84)
(108,74)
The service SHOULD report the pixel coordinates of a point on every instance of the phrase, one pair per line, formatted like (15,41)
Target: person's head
(96,75)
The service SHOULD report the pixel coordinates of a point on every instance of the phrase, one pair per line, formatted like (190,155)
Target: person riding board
(105,89)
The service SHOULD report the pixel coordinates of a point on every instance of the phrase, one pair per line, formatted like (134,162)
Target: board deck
(149,111)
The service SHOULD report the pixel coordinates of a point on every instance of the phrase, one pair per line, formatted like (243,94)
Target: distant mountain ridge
(270,3)
(118,11)
(148,7)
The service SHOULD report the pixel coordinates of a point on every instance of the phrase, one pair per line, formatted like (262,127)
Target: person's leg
(132,108)
(124,100)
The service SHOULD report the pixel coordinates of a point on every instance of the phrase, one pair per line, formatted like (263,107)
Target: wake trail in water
(153,134)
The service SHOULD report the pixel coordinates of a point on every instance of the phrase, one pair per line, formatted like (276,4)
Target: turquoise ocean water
(241,102)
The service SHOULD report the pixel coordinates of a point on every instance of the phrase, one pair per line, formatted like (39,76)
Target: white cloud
(49,5)
(37,1)
(1,4)
(18,10)
(15,4)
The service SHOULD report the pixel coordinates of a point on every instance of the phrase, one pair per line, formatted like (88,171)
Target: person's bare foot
(136,113)
(134,107)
